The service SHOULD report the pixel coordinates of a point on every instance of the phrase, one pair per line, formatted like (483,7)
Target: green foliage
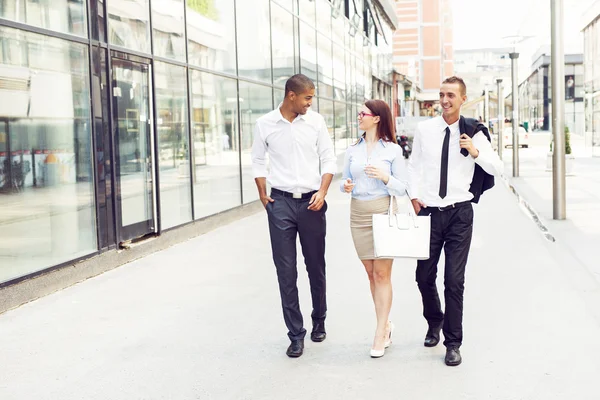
(567,141)
(205,7)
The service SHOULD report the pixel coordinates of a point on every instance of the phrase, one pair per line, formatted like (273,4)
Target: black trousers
(452,230)
(288,218)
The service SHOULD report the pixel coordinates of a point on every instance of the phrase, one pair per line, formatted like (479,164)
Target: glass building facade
(591,34)
(535,95)
(125,118)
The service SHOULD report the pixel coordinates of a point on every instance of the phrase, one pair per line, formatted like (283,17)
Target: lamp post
(515,112)
(500,117)
(558,111)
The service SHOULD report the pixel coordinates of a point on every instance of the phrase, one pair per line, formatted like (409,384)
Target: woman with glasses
(374,170)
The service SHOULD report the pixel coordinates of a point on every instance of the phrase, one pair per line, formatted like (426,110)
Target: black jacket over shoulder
(482,181)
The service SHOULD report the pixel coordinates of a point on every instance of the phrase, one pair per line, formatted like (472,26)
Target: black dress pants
(452,230)
(288,218)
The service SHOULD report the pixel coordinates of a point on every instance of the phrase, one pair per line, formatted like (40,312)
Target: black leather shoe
(432,337)
(296,348)
(453,357)
(318,332)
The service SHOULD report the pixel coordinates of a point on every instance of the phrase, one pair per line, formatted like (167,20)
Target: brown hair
(461,83)
(386,129)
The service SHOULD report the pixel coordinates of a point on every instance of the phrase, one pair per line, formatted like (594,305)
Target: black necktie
(444,168)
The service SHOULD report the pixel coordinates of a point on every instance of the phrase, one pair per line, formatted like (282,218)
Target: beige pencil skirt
(361,224)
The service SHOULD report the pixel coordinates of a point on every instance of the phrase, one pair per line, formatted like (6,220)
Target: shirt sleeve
(487,159)
(325,149)
(414,167)
(259,154)
(346,174)
(397,182)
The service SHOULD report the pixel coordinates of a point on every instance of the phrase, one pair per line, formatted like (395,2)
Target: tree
(205,7)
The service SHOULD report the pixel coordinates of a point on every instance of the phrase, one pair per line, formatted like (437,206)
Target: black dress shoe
(453,357)
(318,332)
(296,348)
(432,337)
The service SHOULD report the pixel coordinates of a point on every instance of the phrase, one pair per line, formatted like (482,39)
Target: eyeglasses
(363,114)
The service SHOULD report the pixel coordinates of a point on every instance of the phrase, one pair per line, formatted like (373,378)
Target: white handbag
(401,235)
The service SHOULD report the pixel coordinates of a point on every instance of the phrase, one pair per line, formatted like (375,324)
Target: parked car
(507,137)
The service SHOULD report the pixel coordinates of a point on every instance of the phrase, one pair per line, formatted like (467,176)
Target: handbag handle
(411,211)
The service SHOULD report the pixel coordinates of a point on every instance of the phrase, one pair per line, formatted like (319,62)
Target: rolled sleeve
(346,174)
(259,154)
(326,153)
(487,159)
(397,183)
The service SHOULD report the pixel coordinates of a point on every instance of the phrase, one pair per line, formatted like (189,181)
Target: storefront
(591,34)
(122,119)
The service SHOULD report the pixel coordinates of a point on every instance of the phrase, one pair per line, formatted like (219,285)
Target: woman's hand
(348,185)
(377,173)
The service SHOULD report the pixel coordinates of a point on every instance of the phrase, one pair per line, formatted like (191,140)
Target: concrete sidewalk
(579,234)
(202,320)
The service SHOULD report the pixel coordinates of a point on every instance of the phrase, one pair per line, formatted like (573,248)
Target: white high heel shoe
(379,353)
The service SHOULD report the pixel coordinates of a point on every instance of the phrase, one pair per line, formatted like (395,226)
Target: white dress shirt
(295,149)
(425,163)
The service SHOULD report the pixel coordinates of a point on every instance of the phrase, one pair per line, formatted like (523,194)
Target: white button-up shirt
(426,159)
(296,151)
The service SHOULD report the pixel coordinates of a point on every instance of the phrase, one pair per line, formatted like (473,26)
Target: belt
(298,196)
(451,206)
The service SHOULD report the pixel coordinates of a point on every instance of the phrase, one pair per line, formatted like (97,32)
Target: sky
(483,23)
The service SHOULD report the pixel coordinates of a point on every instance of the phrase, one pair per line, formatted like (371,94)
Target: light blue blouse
(387,156)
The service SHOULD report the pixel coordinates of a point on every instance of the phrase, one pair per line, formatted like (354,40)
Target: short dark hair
(461,83)
(298,83)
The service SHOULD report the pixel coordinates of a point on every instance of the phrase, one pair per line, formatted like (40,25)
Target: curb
(529,211)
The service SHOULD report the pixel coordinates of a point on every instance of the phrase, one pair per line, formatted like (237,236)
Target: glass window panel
(340,127)
(339,73)
(308,51)
(254,41)
(215,136)
(339,25)
(173,144)
(325,67)
(46,181)
(211,34)
(168,29)
(324,17)
(326,110)
(306,11)
(255,101)
(282,34)
(278,96)
(287,4)
(67,16)
(128,24)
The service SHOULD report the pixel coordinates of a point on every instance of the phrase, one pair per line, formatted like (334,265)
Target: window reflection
(308,51)
(128,24)
(306,10)
(340,128)
(326,110)
(211,34)
(282,34)
(215,136)
(325,67)
(324,17)
(255,101)
(67,16)
(254,42)
(46,179)
(173,146)
(168,29)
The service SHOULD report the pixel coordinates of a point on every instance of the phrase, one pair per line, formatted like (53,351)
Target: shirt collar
(362,139)
(281,117)
(443,124)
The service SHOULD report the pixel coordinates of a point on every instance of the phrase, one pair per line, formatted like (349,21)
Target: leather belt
(297,196)
(452,206)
